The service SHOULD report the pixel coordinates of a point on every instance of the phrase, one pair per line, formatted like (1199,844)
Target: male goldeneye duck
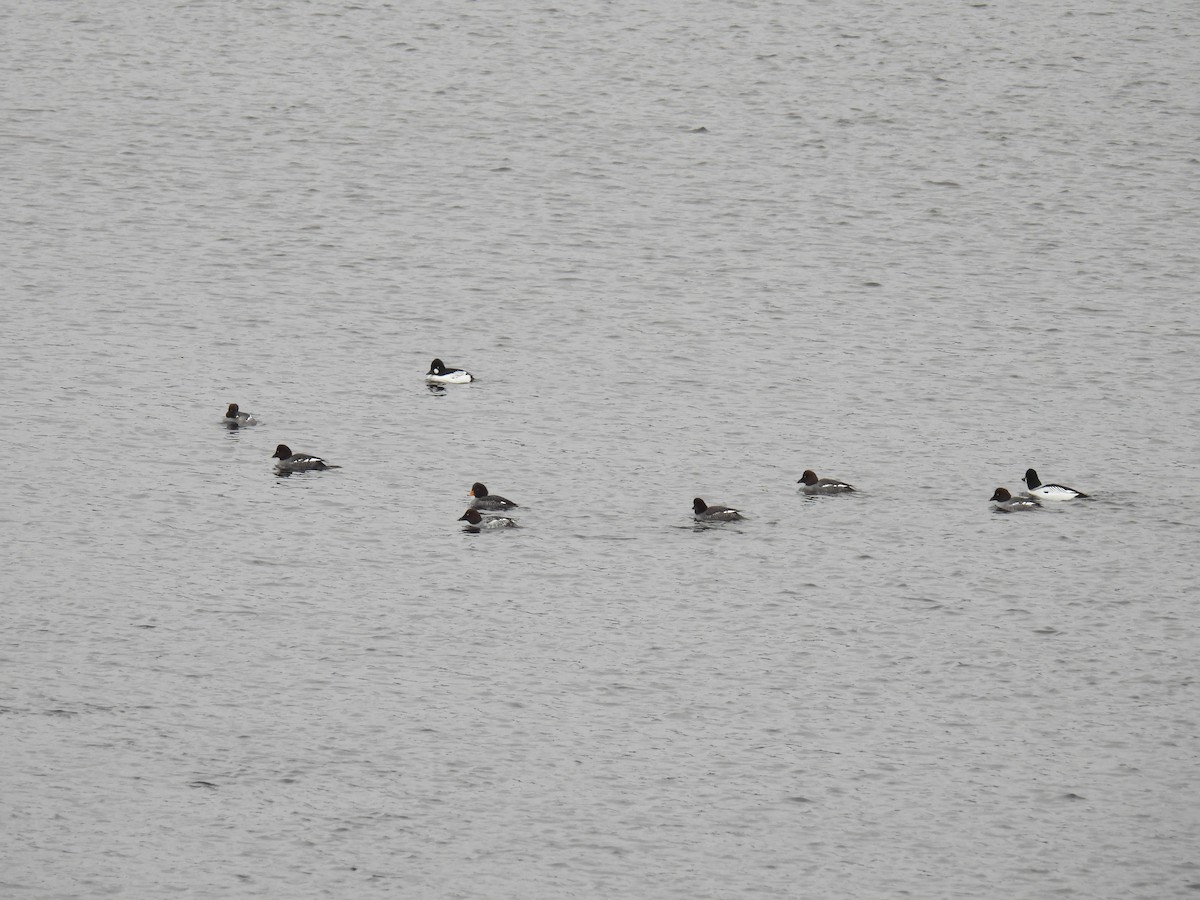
(814,485)
(1006,502)
(439,371)
(484,500)
(476,522)
(234,418)
(1048,491)
(298,462)
(706,513)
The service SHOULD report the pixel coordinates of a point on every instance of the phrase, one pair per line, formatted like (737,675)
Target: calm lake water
(688,249)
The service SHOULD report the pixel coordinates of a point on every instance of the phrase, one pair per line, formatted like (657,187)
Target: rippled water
(688,250)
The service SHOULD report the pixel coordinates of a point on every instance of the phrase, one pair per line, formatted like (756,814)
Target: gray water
(688,249)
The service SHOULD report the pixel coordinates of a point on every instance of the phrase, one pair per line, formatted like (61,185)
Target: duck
(484,500)
(440,372)
(1006,502)
(476,522)
(814,485)
(298,462)
(1040,491)
(234,418)
(706,513)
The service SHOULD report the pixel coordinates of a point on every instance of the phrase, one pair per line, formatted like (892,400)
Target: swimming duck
(440,372)
(236,419)
(706,513)
(476,522)
(1048,491)
(298,462)
(1006,502)
(484,500)
(814,485)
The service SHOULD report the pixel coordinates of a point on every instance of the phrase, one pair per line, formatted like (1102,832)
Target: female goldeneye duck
(1048,491)
(707,513)
(484,500)
(298,462)
(476,522)
(1006,502)
(814,485)
(440,372)
(234,418)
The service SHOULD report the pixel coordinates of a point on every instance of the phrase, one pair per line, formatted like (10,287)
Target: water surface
(688,250)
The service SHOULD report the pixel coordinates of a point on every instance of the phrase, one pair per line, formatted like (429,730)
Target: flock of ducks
(439,373)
